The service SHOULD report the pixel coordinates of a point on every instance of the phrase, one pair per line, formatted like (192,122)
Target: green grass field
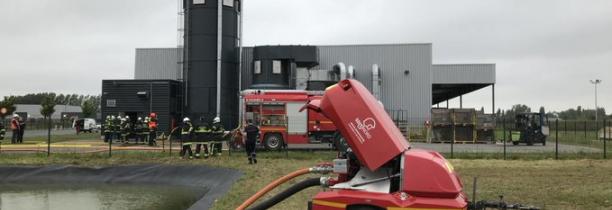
(553,184)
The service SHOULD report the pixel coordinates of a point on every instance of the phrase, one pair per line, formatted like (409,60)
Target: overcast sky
(545,51)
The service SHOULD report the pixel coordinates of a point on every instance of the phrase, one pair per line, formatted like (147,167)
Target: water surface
(96,197)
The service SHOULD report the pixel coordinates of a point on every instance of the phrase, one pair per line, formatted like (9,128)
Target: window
(199,1)
(111,103)
(276,67)
(229,3)
(257,67)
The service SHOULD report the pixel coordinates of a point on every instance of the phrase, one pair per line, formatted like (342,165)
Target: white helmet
(108,117)
(217,120)
(139,118)
(186,119)
(15,115)
(112,117)
(127,117)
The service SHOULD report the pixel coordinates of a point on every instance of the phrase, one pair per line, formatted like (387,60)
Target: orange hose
(271,186)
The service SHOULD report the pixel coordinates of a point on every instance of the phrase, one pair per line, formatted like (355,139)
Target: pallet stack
(441,125)
(485,127)
(464,124)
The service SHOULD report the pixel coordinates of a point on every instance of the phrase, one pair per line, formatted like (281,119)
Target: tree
(89,108)
(9,105)
(47,109)
(516,109)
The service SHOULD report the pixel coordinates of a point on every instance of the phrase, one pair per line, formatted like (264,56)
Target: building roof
(453,80)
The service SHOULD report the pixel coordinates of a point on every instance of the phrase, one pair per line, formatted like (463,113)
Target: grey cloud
(545,50)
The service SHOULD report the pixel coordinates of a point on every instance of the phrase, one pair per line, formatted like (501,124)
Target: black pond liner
(213,182)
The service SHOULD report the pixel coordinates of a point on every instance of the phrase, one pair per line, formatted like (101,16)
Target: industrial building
(407,83)
(411,84)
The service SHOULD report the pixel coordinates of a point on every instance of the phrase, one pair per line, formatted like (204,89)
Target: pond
(97,197)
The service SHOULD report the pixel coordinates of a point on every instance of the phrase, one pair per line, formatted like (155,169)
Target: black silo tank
(200,69)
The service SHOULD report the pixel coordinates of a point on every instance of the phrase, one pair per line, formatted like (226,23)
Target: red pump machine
(377,169)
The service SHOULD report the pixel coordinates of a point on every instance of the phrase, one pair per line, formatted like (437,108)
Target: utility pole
(595,83)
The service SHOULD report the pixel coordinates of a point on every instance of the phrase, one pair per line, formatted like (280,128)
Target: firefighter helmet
(217,120)
(186,119)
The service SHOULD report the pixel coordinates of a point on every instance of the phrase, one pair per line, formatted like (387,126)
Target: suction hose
(311,182)
(323,168)
(271,186)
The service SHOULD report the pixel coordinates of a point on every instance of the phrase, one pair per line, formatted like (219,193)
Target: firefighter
(126,129)
(22,127)
(186,134)
(139,130)
(145,130)
(15,129)
(115,127)
(2,131)
(202,133)
(152,128)
(217,131)
(252,133)
(108,128)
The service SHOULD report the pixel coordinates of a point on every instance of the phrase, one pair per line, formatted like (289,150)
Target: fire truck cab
(277,113)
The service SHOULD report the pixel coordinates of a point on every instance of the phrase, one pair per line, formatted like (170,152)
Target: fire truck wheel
(273,141)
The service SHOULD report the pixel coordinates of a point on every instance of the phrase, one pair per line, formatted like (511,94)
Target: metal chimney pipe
(219,42)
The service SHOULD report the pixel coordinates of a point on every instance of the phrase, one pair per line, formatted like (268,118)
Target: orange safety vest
(14,124)
(153,124)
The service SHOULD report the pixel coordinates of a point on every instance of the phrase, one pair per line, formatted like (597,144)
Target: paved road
(499,148)
(483,148)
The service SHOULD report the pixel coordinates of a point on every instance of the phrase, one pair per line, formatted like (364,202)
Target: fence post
(452,146)
(557,139)
(596,129)
(605,155)
(585,130)
(504,133)
(110,149)
(48,137)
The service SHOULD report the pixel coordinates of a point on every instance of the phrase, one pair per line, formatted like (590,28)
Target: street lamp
(595,83)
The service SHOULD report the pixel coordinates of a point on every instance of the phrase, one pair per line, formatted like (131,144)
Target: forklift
(530,128)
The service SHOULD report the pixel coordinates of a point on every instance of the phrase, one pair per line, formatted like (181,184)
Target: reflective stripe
(329,203)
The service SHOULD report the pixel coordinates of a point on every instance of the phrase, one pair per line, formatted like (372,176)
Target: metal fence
(567,139)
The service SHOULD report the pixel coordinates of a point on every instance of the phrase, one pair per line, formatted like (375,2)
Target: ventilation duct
(340,71)
(376,82)
(350,72)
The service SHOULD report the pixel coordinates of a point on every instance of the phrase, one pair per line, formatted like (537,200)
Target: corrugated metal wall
(157,63)
(463,73)
(247,67)
(410,93)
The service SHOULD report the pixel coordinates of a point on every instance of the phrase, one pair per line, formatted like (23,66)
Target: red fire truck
(277,113)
